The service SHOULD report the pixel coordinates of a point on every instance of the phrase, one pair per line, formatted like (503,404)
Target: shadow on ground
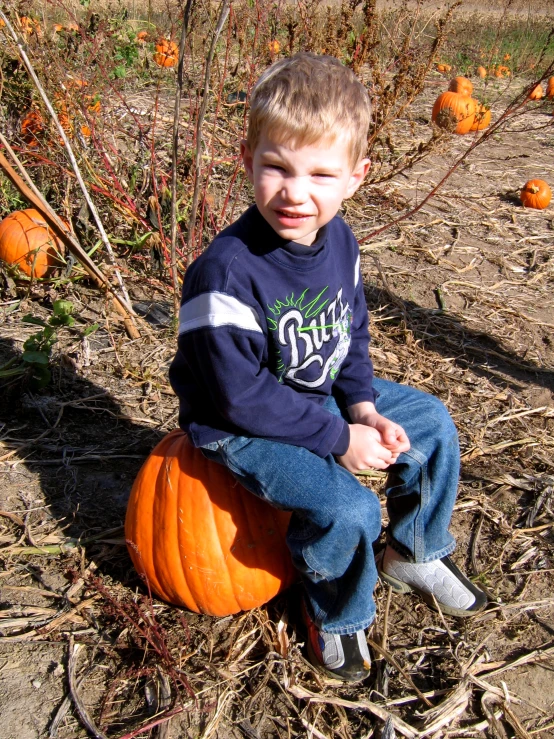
(446,334)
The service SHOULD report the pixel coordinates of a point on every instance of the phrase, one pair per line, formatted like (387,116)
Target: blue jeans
(335,519)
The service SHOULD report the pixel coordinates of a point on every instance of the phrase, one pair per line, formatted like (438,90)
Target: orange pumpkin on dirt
(443,68)
(535,194)
(482,117)
(461,85)
(454,112)
(201,540)
(166,54)
(482,72)
(27,242)
(536,93)
(142,36)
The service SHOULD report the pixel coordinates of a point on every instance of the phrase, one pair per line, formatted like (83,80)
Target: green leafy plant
(35,360)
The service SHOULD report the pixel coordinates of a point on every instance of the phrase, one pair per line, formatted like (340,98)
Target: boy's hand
(366,450)
(375,441)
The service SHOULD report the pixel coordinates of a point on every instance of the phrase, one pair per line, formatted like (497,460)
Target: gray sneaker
(439,580)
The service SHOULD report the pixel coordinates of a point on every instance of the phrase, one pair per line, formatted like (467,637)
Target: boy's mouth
(285,215)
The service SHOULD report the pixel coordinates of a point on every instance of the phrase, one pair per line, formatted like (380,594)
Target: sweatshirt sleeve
(354,383)
(222,342)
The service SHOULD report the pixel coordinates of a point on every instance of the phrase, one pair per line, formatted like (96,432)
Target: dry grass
(461,306)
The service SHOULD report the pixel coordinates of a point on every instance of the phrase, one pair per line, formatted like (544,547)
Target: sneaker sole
(401,587)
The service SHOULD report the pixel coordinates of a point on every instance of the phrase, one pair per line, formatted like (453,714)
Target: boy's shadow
(445,333)
(76,437)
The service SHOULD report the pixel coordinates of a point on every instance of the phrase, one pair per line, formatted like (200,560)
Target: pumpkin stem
(533,188)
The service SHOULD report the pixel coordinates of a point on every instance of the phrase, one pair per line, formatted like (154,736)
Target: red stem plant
(154,174)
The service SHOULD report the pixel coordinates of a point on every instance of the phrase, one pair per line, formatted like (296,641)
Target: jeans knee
(362,515)
(441,420)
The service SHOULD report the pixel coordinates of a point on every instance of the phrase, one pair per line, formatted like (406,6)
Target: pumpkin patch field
(141,593)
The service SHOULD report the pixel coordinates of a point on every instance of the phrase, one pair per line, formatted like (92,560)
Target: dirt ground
(460,296)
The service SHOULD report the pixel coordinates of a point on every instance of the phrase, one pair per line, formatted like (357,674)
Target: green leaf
(119,72)
(35,357)
(90,329)
(40,377)
(11,372)
(62,307)
(64,320)
(32,319)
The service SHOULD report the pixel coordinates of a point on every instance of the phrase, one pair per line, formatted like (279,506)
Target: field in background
(460,297)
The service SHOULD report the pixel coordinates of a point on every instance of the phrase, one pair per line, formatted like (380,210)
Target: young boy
(275,381)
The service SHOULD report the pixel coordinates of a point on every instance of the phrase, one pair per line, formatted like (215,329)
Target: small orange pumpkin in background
(93,103)
(536,93)
(142,36)
(482,118)
(501,71)
(27,241)
(535,194)
(199,538)
(461,85)
(443,68)
(166,54)
(76,83)
(454,112)
(274,46)
(31,126)
(29,26)
(482,72)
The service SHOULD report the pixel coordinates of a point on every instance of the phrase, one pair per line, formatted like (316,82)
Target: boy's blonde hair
(308,98)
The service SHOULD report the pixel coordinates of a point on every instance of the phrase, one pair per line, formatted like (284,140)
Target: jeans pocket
(213,446)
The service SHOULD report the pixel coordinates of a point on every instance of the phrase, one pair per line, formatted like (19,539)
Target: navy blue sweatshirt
(268,329)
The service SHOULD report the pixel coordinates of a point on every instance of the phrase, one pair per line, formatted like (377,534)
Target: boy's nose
(294,190)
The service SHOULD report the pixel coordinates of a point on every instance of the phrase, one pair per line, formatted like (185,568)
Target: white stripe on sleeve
(357,272)
(217,309)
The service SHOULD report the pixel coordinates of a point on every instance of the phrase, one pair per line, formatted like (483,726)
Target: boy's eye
(323,174)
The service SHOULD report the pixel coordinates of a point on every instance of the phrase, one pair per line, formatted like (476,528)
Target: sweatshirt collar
(279,248)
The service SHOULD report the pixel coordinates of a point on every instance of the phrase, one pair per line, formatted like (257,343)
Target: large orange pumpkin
(454,112)
(482,118)
(535,194)
(461,85)
(199,538)
(167,53)
(27,241)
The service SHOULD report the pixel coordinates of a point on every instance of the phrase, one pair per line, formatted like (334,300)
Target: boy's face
(298,190)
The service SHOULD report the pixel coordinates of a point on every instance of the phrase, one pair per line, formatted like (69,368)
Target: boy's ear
(248,159)
(358,176)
